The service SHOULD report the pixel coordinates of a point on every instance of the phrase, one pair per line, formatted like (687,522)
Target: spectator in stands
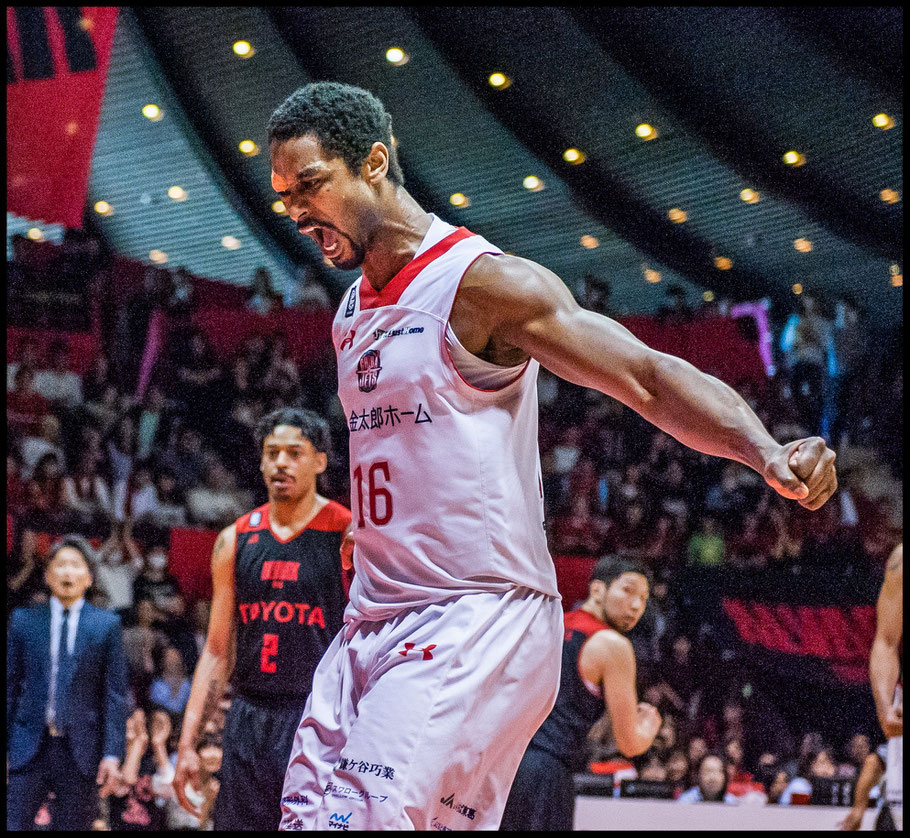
(57,382)
(104,409)
(119,564)
(706,545)
(849,345)
(96,378)
(158,585)
(217,502)
(197,381)
(143,498)
(735,755)
(815,762)
(677,768)
(16,497)
(134,805)
(121,454)
(575,531)
(44,493)
(133,321)
(170,511)
(282,376)
(201,612)
(309,292)
(183,457)
(143,643)
(712,782)
(857,749)
(151,423)
(651,767)
(171,690)
(24,407)
(807,342)
(46,441)
(87,495)
(597,295)
(28,354)
(773,777)
(261,297)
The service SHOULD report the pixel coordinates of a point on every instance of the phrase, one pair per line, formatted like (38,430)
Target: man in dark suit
(65,698)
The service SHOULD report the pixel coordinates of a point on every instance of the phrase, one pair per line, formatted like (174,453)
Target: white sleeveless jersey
(446,490)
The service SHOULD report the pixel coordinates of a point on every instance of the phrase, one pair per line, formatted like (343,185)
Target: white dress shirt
(56,625)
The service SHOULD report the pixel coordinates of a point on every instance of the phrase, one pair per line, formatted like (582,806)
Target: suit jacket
(91,706)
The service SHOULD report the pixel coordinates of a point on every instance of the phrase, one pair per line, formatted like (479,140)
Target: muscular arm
(884,661)
(507,303)
(634,731)
(217,660)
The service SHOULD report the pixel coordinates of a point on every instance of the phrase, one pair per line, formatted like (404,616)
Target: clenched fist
(803,471)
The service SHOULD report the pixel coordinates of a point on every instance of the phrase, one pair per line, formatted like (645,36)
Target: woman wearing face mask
(156,584)
(120,563)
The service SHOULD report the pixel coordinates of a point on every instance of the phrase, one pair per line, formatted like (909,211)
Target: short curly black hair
(346,120)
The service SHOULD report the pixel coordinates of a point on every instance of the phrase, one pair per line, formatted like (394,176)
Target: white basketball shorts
(894,766)
(421,721)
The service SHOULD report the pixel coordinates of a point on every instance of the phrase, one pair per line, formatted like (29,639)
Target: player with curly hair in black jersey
(278,595)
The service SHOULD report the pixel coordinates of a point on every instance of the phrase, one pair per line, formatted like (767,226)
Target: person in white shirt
(57,382)
(712,783)
(119,564)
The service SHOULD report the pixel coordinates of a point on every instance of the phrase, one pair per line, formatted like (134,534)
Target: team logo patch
(368,369)
(352,302)
(255,519)
(280,572)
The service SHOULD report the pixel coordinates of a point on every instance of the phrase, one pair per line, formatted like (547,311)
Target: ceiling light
(890,196)
(279,207)
(797,288)
(723,263)
(35,234)
(243,49)
(708,296)
(652,275)
(646,132)
(533,183)
(459,200)
(104,208)
(794,158)
(590,242)
(499,80)
(573,156)
(897,278)
(249,148)
(802,245)
(159,257)
(677,216)
(153,112)
(230,243)
(177,193)
(883,121)
(750,196)
(397,56)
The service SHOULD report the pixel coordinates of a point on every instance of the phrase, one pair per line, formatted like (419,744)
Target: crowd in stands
(85,454)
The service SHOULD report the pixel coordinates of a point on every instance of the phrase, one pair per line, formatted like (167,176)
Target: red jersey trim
(583,621)
(243,522)
(333,517)
(391,294)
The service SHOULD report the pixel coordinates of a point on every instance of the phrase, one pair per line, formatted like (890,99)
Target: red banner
(57,59)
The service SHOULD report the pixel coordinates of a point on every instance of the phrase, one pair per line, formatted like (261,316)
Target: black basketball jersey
(577,706)
(291,597)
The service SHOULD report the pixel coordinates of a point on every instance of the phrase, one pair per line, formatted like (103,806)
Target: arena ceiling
(728,90)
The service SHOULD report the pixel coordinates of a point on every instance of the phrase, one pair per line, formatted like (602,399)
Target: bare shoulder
(519,286)
(225,544)
(611,646)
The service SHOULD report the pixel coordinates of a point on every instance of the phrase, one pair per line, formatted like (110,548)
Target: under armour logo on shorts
(426,650)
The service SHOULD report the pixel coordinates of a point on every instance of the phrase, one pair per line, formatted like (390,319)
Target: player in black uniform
(598,668)
(278,595)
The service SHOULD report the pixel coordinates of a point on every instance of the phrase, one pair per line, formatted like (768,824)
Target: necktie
(62,656)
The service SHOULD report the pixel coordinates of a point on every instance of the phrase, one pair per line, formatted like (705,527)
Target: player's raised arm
(518,303)
(214,668)
(884,659)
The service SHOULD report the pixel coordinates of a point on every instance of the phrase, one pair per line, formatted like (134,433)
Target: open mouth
(328,240)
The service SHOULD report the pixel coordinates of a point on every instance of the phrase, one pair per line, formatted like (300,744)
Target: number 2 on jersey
(269,650)
(374,493)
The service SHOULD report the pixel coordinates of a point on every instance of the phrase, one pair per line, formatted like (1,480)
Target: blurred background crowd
(91,453)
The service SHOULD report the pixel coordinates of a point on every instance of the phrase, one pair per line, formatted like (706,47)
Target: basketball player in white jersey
(424,704)
(885,676)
